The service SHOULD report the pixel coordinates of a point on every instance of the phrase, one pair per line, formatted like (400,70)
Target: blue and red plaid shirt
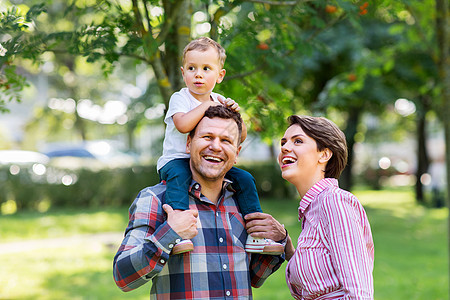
(218,268)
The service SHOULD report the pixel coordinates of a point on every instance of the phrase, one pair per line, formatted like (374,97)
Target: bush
(107,187)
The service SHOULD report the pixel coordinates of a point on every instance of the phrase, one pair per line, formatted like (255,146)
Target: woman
(335,251)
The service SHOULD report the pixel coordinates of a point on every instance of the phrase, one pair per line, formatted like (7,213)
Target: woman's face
(299,158)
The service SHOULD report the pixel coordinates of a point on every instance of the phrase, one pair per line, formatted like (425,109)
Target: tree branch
(168,22)
(149,25)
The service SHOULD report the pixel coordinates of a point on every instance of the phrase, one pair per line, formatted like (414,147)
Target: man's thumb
(168,209)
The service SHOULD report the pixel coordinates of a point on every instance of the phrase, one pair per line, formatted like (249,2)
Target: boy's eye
(298,141)
(206,68)
(191,68)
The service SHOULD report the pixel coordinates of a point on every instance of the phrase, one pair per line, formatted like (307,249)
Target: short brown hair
(203,44)
(223,112)
(327,135)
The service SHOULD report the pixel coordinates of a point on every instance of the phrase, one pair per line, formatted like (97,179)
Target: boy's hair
(203,44)
(327,135)
(220,111)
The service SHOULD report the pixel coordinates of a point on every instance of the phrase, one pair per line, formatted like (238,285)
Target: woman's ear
(326,155)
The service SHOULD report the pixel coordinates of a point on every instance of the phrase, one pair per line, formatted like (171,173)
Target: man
(218,267)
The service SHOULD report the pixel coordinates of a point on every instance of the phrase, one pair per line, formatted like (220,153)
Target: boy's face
(201,71)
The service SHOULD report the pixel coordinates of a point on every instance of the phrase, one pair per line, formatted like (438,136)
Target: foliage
(346,59)
(13,25)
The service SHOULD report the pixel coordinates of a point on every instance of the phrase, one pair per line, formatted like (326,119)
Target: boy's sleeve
(177,103)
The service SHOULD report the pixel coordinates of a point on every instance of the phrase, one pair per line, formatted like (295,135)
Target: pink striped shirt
(335,251)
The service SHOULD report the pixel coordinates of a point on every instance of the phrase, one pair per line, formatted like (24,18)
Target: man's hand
(183,222)
(233,105)
(264,226)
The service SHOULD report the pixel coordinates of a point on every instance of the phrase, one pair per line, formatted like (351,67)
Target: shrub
(107,187)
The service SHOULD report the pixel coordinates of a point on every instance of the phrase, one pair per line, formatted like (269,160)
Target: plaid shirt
(218,267)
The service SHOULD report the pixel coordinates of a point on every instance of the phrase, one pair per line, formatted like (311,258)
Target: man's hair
(203,44)
(327,135)
(220,111)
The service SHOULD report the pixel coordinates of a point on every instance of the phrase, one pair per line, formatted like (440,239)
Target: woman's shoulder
(334,194)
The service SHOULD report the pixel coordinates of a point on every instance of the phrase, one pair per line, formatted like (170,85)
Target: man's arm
(149,239)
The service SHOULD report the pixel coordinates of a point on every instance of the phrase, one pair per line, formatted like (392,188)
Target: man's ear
(188,144)
(325,156)
(237,153)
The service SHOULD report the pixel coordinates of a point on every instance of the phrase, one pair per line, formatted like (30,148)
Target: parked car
(90,154)
(22,157)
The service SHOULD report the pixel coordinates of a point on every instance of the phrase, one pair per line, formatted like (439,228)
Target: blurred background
(84,86)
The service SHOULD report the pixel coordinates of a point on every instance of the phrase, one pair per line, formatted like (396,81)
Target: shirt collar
(195,189)
(313,192)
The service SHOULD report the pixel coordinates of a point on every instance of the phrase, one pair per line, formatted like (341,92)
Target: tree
(442,23)
(284,57)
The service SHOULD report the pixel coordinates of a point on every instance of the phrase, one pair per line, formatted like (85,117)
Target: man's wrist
(283,241)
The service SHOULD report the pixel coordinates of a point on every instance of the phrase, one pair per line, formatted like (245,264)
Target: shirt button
(196,186)
(170,246)
(228,293)
(177,241)
(224,266)
(221,240)
(162,261)
(217,214)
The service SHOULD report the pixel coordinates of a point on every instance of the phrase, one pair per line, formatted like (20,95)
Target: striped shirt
(217,268)
(335,251)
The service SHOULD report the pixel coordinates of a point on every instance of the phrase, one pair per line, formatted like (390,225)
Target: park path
(112,239)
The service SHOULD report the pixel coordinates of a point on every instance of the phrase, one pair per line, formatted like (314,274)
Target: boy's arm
(185,122)
(234,106)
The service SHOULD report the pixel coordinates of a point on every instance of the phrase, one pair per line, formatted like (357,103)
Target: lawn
(411,260)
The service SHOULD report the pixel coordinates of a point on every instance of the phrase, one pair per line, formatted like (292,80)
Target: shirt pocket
(237,229)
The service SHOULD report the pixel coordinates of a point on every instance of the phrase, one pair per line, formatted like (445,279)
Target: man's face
(213,148)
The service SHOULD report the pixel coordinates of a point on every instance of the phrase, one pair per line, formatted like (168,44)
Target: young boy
(203,61)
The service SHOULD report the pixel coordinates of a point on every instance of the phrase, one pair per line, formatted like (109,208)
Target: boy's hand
(233,105)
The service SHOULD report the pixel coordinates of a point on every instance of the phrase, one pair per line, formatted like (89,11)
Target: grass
(411,258)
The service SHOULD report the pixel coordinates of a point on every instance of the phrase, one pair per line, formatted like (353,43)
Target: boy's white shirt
(174,145)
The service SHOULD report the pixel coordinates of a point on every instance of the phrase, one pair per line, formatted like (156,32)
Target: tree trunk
(346,181)
(423,161)
(442,30)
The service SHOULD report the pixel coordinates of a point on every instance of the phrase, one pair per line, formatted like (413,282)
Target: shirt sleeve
(262,266)
(347,232)
(177,103)
(147,243)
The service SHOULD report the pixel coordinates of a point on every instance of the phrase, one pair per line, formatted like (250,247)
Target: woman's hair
(327,135)
(203,44)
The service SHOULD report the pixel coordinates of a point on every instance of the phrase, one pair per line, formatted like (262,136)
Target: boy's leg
(177,175)
(247,198)
(246,194)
